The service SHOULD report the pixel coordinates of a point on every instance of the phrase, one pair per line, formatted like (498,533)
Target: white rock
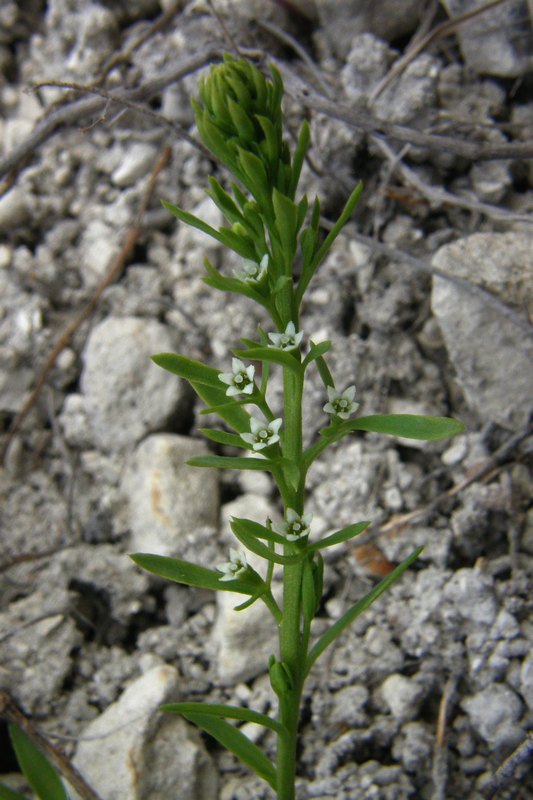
(138,160)
(168,499)
(496,42)
(403,696)
(526,681)
(135,752)
(472,593)
(14,209)
(98,247)
(492,356)
(244,641)
(494,713)
(126,395)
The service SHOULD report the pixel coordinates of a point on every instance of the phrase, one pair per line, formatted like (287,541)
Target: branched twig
(505,772)
(400,257)
(482,471)
(439,196)
(356,118)
(113,273)
(13,714)
(444,29)
(75,111)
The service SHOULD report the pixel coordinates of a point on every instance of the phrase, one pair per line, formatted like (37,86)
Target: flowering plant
(239,118)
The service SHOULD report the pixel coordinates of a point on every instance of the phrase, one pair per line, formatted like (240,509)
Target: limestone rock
(168,500)
(126,395)
(491,354)
(148,755)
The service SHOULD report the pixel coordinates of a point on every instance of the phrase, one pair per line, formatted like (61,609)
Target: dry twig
(505,772)
(442,30)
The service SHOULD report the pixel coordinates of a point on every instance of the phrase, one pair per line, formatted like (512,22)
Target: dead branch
(112,275)
(14,715)
(364,121)
(442,30)
(505,772)
(77,110)
(420,265)
(483,471)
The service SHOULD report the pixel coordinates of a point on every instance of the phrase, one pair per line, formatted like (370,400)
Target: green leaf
(300,152)
(223,437)
(323,371)
(311,264)
(243,246)
(343,535)
(339,225)
(356,610)
(410,426)
(230,462)
(272,354)
(315,351)
(224,202)
(237,743)
(256,546)
(234,415)
(286,216)
(256,529)
(40,774)
(173,569)
(225,712)
(9,794)
(189,369)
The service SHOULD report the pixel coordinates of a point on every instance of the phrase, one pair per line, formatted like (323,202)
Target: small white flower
(289,340)
(251,271)
(235,567)
(295,527)
(341,404)
(241,380)
(263,433)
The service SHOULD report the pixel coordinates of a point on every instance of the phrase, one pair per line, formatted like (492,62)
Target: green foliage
(239,117)
(40,774)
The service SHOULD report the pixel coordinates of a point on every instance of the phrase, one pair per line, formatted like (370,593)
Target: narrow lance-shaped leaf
(173,569)
(344,535)
(237,743)
(225,236)
(410,426)
(230,462)
(260,549)
(40,774)
(338,627)
(225,712)
(187,368)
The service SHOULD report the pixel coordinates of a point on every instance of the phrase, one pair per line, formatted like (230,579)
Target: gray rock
(490,353)
(137,161)
(496,42)
(413,746)
(126,395)
(14,209)
(37,638)
(148,755)
(403,696)
(494,713)
(472,594)
(341,21)
(491,180)
(168,500)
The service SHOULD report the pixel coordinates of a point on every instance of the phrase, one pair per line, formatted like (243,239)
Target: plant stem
(290,638)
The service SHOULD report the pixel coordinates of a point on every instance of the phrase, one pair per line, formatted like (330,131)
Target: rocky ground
(428,299)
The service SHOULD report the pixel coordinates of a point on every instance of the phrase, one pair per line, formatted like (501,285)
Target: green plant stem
(291,653)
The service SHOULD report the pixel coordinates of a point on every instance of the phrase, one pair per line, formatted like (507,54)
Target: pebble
(168,499)
(494,713)
(137,161)
(147,753)
(127,396)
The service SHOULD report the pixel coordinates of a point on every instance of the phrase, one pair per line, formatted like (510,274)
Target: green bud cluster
(240,120)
